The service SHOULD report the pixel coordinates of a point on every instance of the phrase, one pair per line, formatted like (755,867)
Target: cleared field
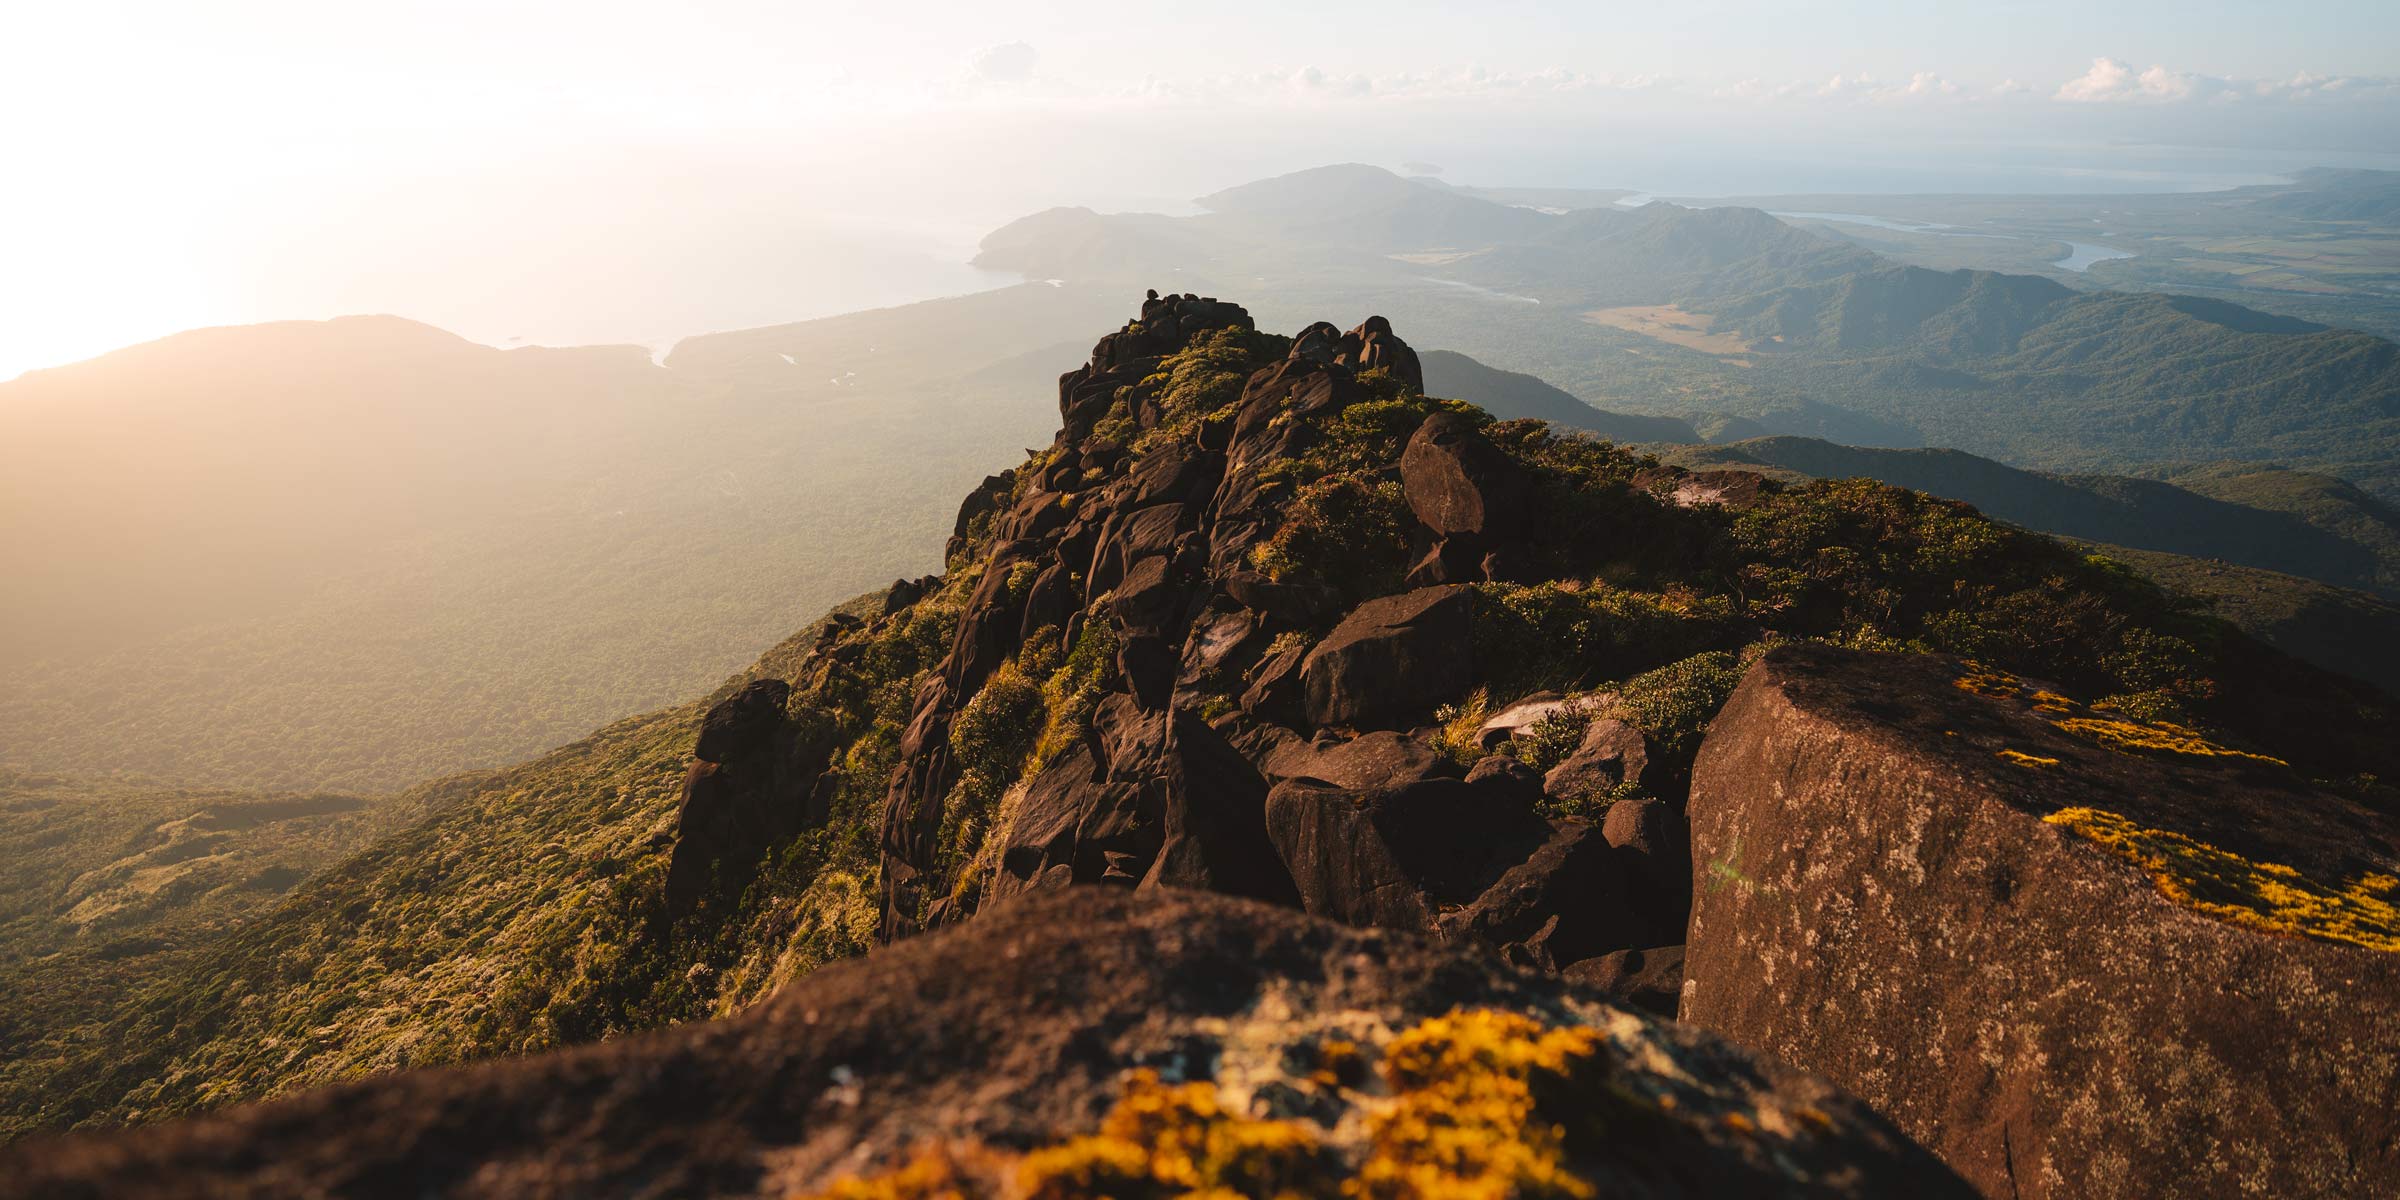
(1671,324)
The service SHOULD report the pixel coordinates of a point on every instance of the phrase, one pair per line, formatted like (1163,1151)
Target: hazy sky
(636,171)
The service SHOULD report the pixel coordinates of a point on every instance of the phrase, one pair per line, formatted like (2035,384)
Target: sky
(634,172)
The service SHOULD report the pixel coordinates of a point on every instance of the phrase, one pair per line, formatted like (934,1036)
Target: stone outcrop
(1391,657)
(1019,1031)
(749,786)
(2075,955)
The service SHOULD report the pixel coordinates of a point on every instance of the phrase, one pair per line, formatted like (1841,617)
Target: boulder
(1611,752)
(1459,485)
(1373,346)
(1383,759)
(1392,657)
(1393,857)
(747,789)
(1650,980)
(2075,955)
(1565,902)
(1507,781)
(1295,602)
(1019,1030)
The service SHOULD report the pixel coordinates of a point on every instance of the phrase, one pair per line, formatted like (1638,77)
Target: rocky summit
(1296,784)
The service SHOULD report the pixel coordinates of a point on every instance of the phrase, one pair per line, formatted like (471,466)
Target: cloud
(1009,62)
(1921,85)
(2111,81)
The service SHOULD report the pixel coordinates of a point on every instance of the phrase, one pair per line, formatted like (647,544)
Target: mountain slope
(2305,525)
(1510,395)
(1163,647)
(363,553)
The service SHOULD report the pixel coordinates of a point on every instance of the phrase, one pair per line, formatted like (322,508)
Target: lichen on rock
(2264,896)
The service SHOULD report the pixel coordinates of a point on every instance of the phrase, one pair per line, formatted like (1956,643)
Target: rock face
(747,787)
(2073,957)
(1018,1032)
(1391,656)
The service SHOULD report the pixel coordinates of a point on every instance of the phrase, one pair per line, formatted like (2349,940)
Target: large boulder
(1236,1022)
(2076,955)
(746,791)
(1392,657)
(1458,484)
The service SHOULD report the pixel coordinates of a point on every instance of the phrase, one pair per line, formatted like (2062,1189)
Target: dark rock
(1383,759)
(1890,888)
(1650,980)
(1273,693)
(1461,486)
(740,724)
(901,594)
(1391,657)
(1048,1002)
(1612,752)
(1568,892)
(1295,602)
(747,791)
(1507,780)
(1373,346)
(1393,857)
(1216,833)
(1654,850)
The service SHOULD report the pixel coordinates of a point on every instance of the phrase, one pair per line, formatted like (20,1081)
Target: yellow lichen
(1464,1121)
(2135,737)
(2023,759)
(1176,1141)
(935,1172)
(2270,897)
(2051,702)
(1986,681)
(1482,1105)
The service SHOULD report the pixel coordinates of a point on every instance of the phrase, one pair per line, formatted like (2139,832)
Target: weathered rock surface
(2070,968)
(747,787)
(1650,980)
(1016,1031)
(1390,657)
(1612,752)
(1458,484)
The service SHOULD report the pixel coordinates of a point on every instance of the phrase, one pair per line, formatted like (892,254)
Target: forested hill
(1685,312)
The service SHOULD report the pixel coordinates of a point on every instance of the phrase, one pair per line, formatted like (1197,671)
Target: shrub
(1349,529)
(1557,637)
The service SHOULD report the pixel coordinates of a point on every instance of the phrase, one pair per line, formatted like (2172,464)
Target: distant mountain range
(1691,312)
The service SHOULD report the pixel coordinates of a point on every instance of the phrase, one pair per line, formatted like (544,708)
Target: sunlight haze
(623,172)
